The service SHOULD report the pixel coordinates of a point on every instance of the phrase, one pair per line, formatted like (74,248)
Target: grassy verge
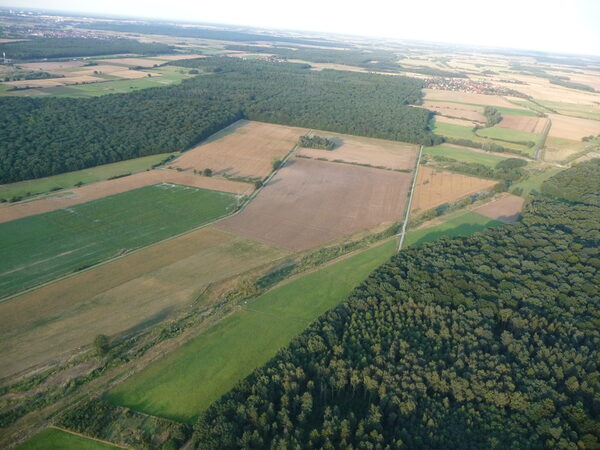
(54,439)
(85,176)
(188,380)
(43,247)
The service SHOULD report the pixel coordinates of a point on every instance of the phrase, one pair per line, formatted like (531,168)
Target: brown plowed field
(361,150)
(309,203)
(535,125)
(464,97)
(506,209)
(468,112)
(102,189)
(573,128)
(244,149)
(40,326)
(434,188)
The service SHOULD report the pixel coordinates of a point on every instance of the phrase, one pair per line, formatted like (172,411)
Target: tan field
(244,149)
(434,188)
(361,150)
(457,110)
(542,89)
(133,74)
(52,82)
(134,62)
(102,189)
(535,125)
(309,203)
(89,70)
(505,209)
(453,121)
(559,149)
(52,66)
(477,99)
(573,128)
(42,326)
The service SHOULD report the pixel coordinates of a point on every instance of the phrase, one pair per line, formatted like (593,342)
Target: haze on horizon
(560,26)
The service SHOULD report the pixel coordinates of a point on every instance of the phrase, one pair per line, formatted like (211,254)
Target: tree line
(46,136)
(487,341)
(42,47)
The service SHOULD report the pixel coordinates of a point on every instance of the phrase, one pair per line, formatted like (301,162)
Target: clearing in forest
(43,247)
(435,188)
(506,209)
(242,150)
(185,382)
(129,293)
(72,197)
(365,151)
(310,202)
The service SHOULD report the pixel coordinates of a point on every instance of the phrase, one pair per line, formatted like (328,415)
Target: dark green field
(40,248)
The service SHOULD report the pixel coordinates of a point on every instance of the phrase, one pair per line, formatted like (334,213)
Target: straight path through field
(410,198)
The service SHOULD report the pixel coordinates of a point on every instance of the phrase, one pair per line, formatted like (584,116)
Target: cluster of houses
(466,85)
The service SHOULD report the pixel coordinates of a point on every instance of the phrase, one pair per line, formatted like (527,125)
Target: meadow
(463,224)
(85,176)
(534,182)
(187,381)
(55,439)
(464,155)
(40,248)
(507,134)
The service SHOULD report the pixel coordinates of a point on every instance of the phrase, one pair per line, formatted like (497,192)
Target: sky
(566,26)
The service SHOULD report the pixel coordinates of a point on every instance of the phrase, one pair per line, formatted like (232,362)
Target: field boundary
(402,233)
(74,433)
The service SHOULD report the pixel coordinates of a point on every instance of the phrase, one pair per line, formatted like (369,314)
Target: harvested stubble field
(362,150)
(506,209)
(559,149)
(65,199)
(41,326)
(52,66)
(458,110)
(573,128)
(435,188)
(187,381)
(244,149)
(464,97)
(53,82)
(43,247)
(133,62)
(453,121)
(527,124)
(310,202)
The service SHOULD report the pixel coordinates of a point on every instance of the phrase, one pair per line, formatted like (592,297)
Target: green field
(54,439)
(506,134)
(40,248)
(463,224)
(534,182)
(188,380)
(169,75)
(85,176)
(464,155)
(573,109)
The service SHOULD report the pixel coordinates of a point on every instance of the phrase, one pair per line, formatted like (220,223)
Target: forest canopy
(488,341)
(46,136)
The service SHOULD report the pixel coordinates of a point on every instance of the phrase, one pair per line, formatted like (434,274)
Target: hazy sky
(571,26)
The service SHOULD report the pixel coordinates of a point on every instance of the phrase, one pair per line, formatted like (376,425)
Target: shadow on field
(152,320)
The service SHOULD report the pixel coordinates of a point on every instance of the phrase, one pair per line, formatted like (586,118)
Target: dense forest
(46,136)
(201,33)
(480,342)
(579,184)
(38,48)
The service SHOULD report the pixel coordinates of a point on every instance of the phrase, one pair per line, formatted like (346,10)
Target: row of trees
(46,136)
(42,47)
(488,341)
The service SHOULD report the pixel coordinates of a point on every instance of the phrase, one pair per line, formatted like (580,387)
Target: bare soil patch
(64,199)
(465,97)
(45,325)
(573,128)
(435,187)
(506,209)
(535,125)
(361,150)
(309,203)
(244,149)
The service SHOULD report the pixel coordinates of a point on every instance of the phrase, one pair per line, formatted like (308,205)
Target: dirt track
(506,209)
(309,203)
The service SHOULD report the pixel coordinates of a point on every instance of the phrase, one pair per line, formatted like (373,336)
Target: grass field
(463,155)
(188,380)
(85,176)
(43,247)
(464,224)
(535,181)
(54,439)
(573,109)
(506,134)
